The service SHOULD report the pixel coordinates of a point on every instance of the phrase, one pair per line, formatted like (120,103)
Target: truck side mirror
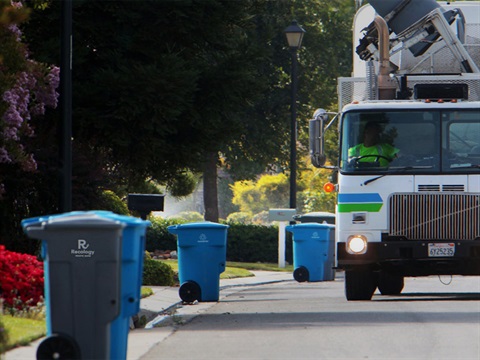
(316,139)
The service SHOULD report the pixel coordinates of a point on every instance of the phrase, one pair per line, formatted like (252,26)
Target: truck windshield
(397,141)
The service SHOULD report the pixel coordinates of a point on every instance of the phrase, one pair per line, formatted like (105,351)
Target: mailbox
(281,214)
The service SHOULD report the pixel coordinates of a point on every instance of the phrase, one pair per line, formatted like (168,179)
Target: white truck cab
(409,203)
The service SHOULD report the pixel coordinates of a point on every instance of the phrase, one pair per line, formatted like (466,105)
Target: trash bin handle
(35,232)
(172,229)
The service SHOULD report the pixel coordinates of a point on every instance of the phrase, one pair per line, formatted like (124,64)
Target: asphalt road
(434,318)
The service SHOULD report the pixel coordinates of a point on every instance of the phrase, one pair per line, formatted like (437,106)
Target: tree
(268,192)
(27,88)
(162,88)
(324,56)
(162,100)
(156,106)
(271,192)
(313,197)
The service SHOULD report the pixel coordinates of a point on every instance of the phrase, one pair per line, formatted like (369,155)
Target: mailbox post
(283,216)
(145,203)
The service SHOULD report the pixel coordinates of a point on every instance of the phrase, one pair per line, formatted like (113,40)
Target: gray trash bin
(82,261)
(320,217)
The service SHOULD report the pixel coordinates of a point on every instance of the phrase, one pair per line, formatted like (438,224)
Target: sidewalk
(164,298)
(156,308)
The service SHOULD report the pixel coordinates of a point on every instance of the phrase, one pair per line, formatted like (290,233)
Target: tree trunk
(210,192)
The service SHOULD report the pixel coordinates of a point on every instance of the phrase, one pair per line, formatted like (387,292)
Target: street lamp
(66,108)
(294,34)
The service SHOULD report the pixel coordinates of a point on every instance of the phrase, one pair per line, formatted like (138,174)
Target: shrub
(262,218)
(188,216)
(21,280)
(111,202)
(268,192)
(239,218)
(147,256)
(158,237)
(255,243)
(156,273)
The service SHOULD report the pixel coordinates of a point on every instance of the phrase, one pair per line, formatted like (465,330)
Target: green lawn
(145,291)
(22,331)
(259,266)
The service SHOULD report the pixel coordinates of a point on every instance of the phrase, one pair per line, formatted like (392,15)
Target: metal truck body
(410,207)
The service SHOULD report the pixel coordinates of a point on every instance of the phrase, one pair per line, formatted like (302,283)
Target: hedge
(245,243)
(255,243)
(158,237)
(156,273)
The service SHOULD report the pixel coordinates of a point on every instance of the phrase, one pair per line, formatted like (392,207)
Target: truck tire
(390,284)
(359,284)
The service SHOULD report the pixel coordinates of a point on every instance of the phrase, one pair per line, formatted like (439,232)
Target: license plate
(441,249)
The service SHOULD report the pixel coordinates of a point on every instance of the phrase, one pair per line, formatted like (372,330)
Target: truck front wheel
(360,284)
(390,284)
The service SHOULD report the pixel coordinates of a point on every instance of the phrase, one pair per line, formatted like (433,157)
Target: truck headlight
(357,244)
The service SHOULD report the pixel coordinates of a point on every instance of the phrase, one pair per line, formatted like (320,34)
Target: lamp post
(66,108)
(294,34)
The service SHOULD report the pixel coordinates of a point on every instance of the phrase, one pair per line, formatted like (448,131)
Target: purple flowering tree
(27,88)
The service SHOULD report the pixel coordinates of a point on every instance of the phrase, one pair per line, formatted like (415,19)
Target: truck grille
(435,216)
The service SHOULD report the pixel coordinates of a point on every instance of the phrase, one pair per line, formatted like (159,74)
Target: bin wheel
(190,291)
(301,274)
(58,347)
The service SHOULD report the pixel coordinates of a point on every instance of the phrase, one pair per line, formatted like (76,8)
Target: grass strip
(238,269)
(22,331)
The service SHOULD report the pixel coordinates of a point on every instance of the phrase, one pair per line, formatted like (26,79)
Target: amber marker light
(328,187)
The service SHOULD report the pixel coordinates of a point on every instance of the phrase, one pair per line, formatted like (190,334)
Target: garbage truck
(407,175)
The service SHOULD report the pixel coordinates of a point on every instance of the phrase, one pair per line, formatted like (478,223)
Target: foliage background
(164,89)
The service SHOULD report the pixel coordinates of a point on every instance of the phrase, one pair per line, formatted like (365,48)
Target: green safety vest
(380,149)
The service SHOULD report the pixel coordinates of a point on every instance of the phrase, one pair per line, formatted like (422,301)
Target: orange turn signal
(328,187)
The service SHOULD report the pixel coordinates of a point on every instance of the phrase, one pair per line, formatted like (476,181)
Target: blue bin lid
(292,228)
(37,221)
(127,220)
(37,227)
(33,221)
(197,225)
(316,217)
(94,217)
